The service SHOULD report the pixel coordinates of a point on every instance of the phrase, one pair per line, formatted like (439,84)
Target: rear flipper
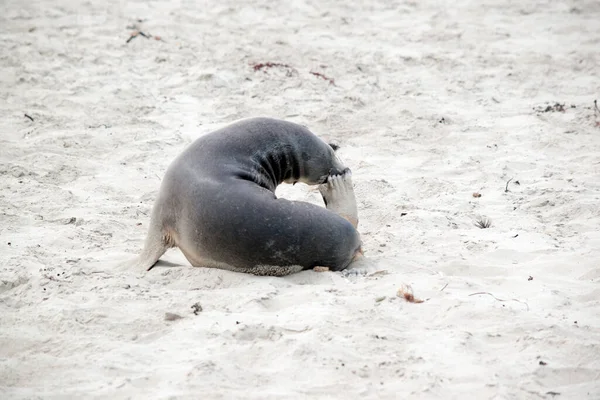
(361,266)
(157,243)
(339,198)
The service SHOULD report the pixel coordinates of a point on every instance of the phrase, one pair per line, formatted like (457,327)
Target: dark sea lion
(217,203)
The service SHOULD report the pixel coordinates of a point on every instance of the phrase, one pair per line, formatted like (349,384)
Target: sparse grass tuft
(483,222)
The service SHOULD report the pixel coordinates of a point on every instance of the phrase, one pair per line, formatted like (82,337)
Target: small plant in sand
(483,222)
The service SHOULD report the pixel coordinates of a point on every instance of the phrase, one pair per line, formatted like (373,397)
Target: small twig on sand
(444,287)
(136,34)
(596,109)
(259,66)
(320,75)
(28,116)
(50,277)
(289,70)
(307,328)
(506,189)
(557,107)
(501,300)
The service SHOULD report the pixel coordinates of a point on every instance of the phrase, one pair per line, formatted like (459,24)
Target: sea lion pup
(217,203)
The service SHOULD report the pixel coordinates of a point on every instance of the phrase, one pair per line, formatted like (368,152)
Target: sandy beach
(448,113)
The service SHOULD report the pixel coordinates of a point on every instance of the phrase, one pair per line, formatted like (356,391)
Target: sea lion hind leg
(158,241)
(338,195)
(361,266)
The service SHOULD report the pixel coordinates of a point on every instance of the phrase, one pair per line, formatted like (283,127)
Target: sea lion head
(316,163)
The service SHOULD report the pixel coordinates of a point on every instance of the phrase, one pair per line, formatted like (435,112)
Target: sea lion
(217,203)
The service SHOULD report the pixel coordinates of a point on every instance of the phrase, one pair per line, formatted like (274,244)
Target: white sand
(78,182)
